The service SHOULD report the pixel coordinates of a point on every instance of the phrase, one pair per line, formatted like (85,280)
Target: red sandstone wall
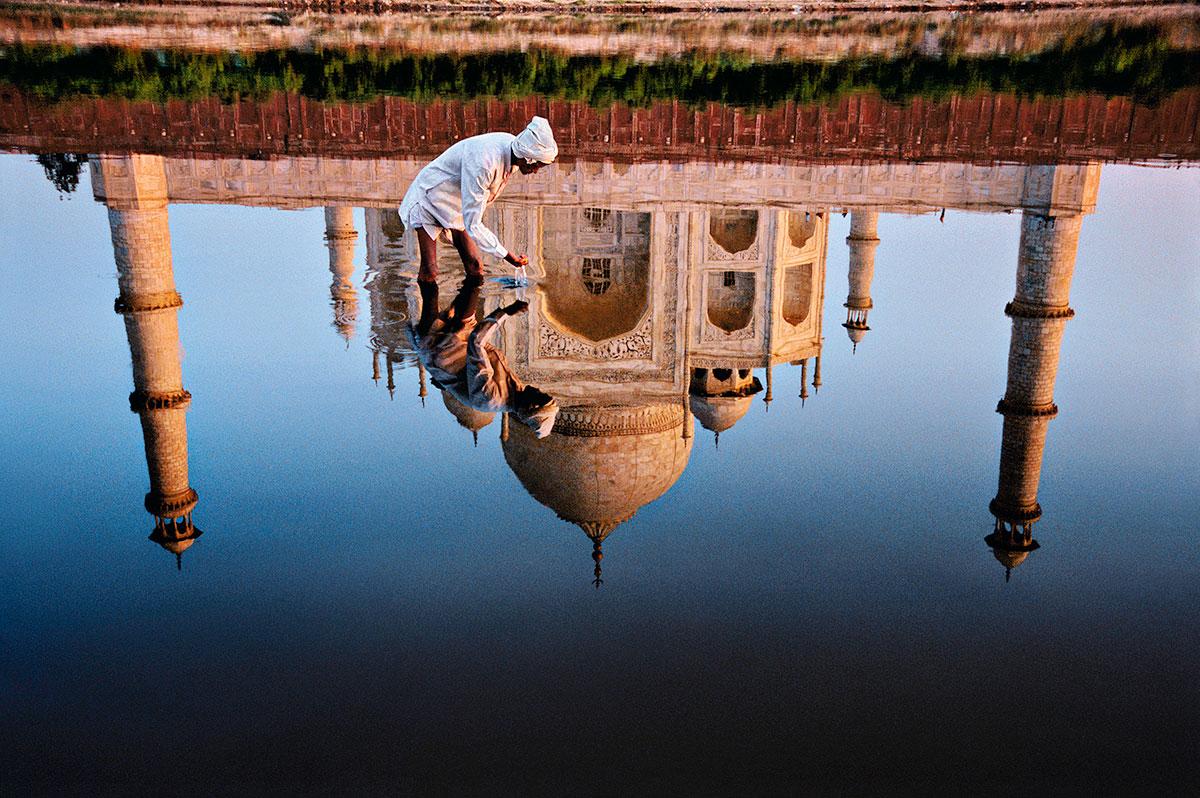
(981,128)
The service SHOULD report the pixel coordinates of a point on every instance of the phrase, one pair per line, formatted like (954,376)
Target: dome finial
(597,556)
(179,561)
(716,440)
(475,437)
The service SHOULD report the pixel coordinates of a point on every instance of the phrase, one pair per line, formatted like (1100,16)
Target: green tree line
(1108,61)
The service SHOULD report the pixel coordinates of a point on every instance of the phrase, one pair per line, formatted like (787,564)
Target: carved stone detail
(1009,408)
(1024,310)
(713,252)
(158,400)
(636,345)
(140,303)
(711,332)
(587,422)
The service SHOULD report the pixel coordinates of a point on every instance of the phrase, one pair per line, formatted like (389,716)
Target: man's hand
(517,260)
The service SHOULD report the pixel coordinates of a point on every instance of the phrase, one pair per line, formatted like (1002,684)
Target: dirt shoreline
(614,7)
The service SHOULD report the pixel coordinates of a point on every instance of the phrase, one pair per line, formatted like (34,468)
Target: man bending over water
(448,197)
(447,200)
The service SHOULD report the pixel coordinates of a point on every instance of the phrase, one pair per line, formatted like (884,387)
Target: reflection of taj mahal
(660,290)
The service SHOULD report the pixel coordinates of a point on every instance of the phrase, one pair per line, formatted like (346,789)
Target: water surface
(386,597)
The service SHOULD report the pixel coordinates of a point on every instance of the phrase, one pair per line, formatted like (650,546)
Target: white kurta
(457,187)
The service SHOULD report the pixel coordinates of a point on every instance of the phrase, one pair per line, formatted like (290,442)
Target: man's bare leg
(471,259)
(428,248)
(466,302)
(427,281)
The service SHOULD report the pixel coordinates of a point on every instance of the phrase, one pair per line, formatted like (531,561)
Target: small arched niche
(797,293)
(733,230)
(730,299)
(801,227)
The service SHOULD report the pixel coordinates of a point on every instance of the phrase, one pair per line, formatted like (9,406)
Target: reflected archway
(597,270)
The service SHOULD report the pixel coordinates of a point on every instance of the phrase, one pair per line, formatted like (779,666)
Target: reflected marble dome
(467,417)
(602,464)
(719,413)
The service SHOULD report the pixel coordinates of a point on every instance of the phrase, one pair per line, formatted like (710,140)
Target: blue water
(375,603)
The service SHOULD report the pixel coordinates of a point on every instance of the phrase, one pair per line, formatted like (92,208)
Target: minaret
(1039,311)
(340,236)
(387,289)
(862,241)
(136,195)
(803,381)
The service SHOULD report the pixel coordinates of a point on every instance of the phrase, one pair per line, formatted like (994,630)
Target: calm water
(388,597)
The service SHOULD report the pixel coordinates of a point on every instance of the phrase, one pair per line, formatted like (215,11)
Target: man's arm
(481,378)
(476,180)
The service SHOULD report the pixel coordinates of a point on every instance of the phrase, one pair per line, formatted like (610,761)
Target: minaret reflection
(136,197)
(388,287)
(1039,312)
(863,240)
(340,236)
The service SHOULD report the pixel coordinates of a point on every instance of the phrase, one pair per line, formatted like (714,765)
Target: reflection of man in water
(448,197)
(461,359)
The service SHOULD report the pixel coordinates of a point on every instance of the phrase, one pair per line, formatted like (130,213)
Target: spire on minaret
(1039,311)
(803,381)
(816,382)
(863,240)
(375,364)
(135,193)
(422,391)
(767,397)
(688,426)
(391,377)
(340,236)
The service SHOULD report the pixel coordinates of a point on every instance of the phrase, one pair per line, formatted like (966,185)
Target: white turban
(536,142)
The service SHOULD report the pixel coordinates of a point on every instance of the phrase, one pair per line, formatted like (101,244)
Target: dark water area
(871,475)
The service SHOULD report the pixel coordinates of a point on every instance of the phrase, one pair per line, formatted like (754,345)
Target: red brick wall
(980,128)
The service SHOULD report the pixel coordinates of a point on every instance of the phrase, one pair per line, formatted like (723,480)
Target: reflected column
(863,240)
(135,191)
(1039,312)
(340,237)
